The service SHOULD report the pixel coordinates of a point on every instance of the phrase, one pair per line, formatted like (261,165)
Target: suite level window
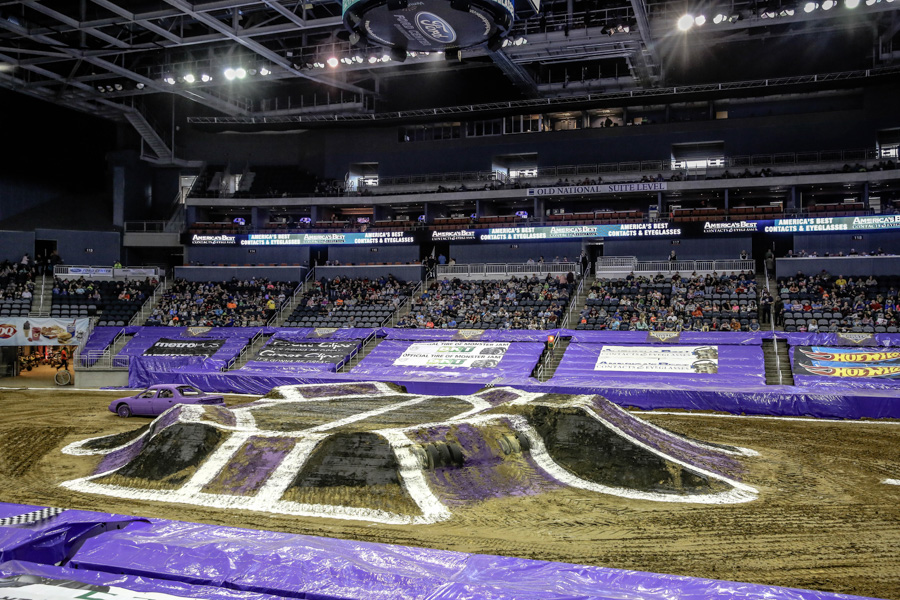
(523,124)
(427,133)
(483,128)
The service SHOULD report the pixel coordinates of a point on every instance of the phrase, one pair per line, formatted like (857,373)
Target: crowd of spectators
(346,302)
(517,303)
(851,252)
(17,280)
(236,303)
(823,302)
(714,302)
(114,300)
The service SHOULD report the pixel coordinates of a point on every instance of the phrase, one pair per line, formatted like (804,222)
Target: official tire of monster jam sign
(428,25)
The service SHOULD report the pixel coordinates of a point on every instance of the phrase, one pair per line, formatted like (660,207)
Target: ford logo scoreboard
(429,25)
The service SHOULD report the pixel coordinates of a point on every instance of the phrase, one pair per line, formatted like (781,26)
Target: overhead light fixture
(264,71)
(252,72)
(373,59)
(719,18)
(357,58)
(109,88)
(139,86)
(685,22)
(871,2)
(240,72)
(170,80)
(851,3)
(332,62)
(386,57)
(230,74)
(101,89)
(118,87)
(699,20)
(828,4)
(205,78)
(189,78)
(809,7)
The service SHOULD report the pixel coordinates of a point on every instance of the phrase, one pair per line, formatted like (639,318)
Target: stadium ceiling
(116,58)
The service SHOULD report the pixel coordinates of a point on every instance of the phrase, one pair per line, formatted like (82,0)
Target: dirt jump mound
(369,451)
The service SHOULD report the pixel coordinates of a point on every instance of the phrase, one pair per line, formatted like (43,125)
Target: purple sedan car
(157,399)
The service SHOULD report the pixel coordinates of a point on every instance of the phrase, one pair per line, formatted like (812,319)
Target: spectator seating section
(517,303)
(663,303)
(831,303)
(346,302)
(220,304)
(111,309)
(15,307)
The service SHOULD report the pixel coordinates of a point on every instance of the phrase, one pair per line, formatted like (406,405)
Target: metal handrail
(774,335)
(508,269)
(662,266)
(243,351)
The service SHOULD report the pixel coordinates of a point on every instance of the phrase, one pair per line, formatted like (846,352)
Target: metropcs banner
(656,359)
(170,347)
(467,355)
(847,362)
(25,331)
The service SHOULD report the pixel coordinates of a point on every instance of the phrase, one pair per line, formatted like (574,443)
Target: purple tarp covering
(176,558)
(837,339)
(518,361)
(689,338)
(479,335)
(738,366)
(101,338)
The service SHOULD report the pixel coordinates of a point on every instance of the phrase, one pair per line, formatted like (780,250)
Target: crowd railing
(620,264)
(91,271)
(506,269)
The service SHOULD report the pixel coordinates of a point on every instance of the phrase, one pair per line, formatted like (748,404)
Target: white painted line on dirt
(365,415)
(213,465)
(761,417)
(290,465)
(891,481)
(412,478)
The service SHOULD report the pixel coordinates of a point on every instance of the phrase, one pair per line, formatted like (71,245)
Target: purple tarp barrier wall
(841,339)
(386,362)
(176,557)
(598,364)
(101,338)
(474,335)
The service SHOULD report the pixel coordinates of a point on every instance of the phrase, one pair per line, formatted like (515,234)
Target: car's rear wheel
(123,410)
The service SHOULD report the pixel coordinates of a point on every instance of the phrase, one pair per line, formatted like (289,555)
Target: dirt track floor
(823,519)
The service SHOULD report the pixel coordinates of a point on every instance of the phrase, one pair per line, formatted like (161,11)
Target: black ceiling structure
(253,61)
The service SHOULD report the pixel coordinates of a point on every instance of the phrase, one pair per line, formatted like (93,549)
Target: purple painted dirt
(495,397)
(122,456)
(261,456)
(483,475)
(669,443)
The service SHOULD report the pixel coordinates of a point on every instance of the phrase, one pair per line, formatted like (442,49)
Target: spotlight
(373,59)
(264,71)
(139,86)
(101,89)
(828,4)
(230,74)
(412,54)
(189,78)
(700,20)
(719,18)
(685,22)
(386,57)
(109,88)
(871,2)
(332,62)
(520,41)
(118,87)
(240,73)
(358,58)
(851,3)
(205,78)
(170,80)
(809,7)
(789,12)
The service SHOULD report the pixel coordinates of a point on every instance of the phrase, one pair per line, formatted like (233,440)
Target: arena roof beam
(131,18)
(75,24)
(258,48)
(643,25)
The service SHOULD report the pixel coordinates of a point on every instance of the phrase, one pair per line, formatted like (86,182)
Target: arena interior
(450,299)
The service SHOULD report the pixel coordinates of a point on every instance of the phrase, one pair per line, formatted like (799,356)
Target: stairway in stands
(141,316)
(553,359)
(778,370)
(251,352)
(363,352)
(577,302)
(42,298)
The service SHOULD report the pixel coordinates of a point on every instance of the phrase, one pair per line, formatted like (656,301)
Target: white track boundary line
(891,481)
(761,417)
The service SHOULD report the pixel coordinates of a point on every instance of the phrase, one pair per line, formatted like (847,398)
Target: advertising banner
(25,331)
(474,355)
(656,359)
(283,351)
(170,347)
(603,188)
(824,361)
